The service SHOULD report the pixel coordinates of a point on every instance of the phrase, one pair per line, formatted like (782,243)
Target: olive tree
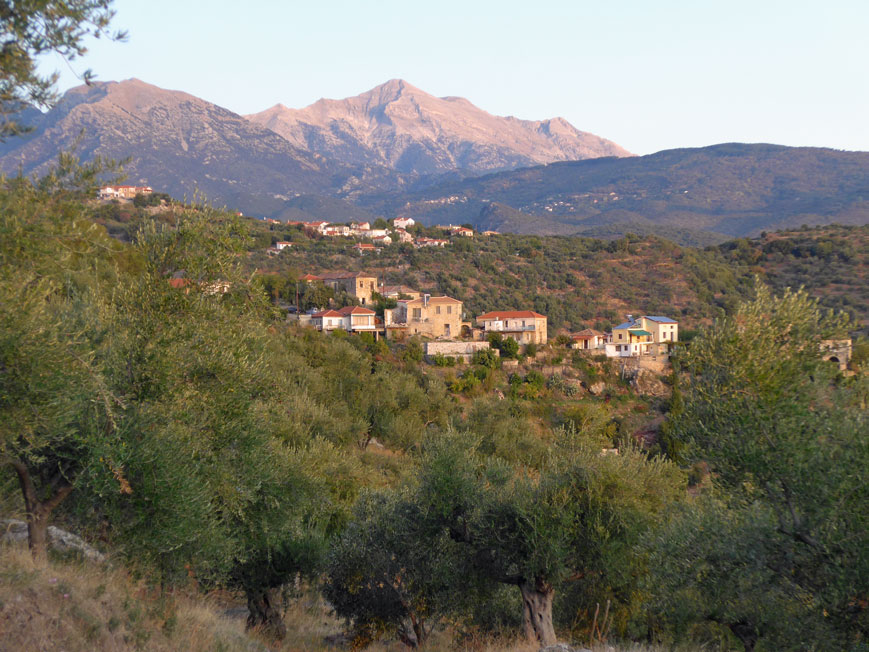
(534,530)
(778,427)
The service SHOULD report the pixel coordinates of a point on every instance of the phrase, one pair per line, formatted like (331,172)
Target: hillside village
(376,237)
(447,329)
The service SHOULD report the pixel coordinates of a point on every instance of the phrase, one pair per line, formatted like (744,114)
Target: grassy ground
(69,606)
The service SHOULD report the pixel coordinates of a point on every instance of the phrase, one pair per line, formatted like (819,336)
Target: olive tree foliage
(386,578)
(713,563)
(470,523)
(32,28)
(58,414)
(214,486)
(785,437)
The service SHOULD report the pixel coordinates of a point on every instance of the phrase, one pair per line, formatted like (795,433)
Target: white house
(588,340)
(353,319)
(525,326)
(403,222)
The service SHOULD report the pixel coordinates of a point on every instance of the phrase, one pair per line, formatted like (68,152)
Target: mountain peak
(400,126)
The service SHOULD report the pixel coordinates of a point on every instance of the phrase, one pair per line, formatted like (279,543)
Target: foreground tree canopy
(153,394)
(787,441)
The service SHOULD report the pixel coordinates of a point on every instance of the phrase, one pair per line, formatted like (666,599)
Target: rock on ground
(15,531)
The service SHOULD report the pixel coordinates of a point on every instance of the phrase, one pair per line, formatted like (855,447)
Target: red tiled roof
(511,314)
(311,277)
(586,334)
(179,282)
(327,313)
(431,300)
(355,310)
(330,277)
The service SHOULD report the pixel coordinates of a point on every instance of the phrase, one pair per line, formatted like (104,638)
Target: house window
(417,313)
(438,310)
(620,336)
(449,310)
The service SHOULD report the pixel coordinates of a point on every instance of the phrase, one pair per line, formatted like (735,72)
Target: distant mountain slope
(730,189)
(178,143)
(402,127)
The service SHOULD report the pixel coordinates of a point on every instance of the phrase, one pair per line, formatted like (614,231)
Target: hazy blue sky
(648,74)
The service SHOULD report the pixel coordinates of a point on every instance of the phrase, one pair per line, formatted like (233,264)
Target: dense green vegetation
(199,433)
(153,395)
(582,282)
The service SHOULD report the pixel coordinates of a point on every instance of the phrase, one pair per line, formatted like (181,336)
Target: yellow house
(435,317)
(645,335)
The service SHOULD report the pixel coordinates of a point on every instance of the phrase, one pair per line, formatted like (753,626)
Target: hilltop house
(282,244)
(358,285)
(353,319)
(645,335)
(364,247)
(588,340)
(431,242)
(462,230)
(403,236)
(403,222)
(435,317)
(525,326)
(123,192)
(398,292)
(318,227)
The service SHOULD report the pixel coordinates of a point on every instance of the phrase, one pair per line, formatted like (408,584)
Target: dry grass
(76,608)
(73,607)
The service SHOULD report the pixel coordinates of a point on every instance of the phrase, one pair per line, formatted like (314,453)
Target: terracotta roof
(327,313)
(431,300)
(510,314)
(355,310)
(586,334)
(403,289)
(180,282)
(329,277)
(311,277)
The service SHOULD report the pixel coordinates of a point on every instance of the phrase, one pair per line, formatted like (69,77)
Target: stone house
(358,285)
(428,316)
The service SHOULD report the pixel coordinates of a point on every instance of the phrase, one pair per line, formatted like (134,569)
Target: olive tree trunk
(537,599)
(38,511)
(263,614)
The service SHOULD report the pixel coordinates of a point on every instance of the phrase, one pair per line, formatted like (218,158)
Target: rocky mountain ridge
(402,127)
(182,145)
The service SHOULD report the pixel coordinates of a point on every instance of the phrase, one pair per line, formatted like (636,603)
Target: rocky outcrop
(646,383)
(15,531)
(404,128)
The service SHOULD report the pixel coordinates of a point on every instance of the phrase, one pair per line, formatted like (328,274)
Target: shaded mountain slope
(730,189)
